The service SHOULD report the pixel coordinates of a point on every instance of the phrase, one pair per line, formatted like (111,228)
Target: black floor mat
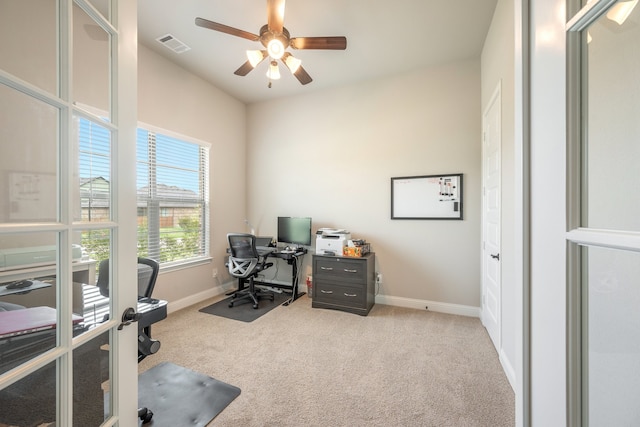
(244,310)
(178,396)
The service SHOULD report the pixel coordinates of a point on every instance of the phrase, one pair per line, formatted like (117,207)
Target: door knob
(495,256)
(128,316)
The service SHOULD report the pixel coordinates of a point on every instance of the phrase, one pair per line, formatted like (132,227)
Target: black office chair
(245,263)
(147,275)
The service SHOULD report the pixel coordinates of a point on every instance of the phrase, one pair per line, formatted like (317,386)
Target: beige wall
(171,98)
(498,68)
(330,155)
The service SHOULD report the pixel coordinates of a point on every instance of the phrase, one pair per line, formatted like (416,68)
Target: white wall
(171,98)
(498,68)
(330,155)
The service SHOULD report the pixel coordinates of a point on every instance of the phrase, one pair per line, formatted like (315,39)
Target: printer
(331,241)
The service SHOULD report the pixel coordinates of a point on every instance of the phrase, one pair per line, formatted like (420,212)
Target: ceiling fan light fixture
(273,72)
(275,48)
(621,11)
(255,57)
(293,63)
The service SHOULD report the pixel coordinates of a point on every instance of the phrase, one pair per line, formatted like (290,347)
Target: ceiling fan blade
(302,76)
(289,61)
(244,69)
(205,23)
(247,66)
(333,43)
(275,15)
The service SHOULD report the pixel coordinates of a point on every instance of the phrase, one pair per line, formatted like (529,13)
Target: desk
(292,259)
(84,271)
(43,292)
(37,284)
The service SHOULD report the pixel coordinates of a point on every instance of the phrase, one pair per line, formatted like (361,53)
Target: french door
(60,59)
(603,46)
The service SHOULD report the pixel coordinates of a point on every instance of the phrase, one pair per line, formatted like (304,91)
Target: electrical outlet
(214,272)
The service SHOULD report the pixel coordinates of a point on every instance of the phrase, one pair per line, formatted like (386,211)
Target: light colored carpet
(299,366)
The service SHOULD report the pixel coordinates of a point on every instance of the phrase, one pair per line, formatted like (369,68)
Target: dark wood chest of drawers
(344,283)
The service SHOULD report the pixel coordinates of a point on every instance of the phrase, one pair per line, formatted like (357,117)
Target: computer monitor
(294,230)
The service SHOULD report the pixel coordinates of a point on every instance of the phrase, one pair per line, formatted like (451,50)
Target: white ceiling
(384,38)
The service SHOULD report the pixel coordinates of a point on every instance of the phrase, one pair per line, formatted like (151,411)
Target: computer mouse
(20,284)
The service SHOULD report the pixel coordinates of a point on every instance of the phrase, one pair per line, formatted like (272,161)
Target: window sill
(181,265)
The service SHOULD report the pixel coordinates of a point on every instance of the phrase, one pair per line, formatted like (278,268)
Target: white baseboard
(508,369)
(440,307)
(196,298)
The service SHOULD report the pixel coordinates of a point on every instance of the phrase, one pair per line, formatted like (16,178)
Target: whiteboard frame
(406,189)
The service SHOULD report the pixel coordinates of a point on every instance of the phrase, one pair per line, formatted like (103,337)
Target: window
(172,197)
(172,193)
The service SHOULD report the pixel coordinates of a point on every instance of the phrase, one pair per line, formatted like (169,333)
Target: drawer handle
(326,292)
(350,295)
(350,271)
(326,268)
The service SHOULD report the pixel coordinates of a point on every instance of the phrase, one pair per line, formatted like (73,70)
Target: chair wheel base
(145,415)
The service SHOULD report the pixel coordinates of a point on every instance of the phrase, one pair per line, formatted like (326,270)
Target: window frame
(205,258)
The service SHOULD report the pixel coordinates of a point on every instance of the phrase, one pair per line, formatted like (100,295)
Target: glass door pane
(28,34)
(28,297)
(612,127)
(93,202)
(91,379)
(30,401)
(612,336)
(91,291)
(91,62)
(28,143)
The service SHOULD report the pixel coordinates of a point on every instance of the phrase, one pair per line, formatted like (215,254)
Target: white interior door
(491,286)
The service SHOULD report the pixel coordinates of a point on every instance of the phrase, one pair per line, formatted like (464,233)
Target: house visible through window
(172,193)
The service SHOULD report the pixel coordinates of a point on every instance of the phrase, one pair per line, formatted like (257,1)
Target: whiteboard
(32,196)
(426,197)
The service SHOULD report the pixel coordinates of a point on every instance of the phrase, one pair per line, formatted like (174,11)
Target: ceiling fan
(276,39)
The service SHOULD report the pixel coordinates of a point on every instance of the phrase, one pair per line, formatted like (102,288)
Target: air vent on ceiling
(173,43)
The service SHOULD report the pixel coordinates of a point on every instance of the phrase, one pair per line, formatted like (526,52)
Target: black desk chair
(147,275)
(245,263)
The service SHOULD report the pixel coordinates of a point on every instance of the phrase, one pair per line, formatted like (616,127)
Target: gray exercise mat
(178,396)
